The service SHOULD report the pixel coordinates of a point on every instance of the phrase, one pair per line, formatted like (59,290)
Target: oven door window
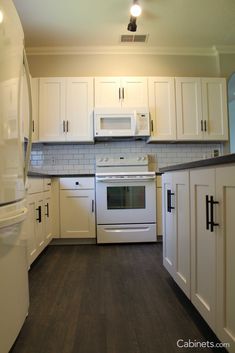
(125,197)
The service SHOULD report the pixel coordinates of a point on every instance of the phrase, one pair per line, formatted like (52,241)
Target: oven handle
(121,180)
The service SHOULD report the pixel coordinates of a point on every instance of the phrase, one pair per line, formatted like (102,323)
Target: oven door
(126,201)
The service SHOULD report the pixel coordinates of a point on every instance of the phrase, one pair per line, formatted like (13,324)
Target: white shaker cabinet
(201,106)
(52,109)
(65,109)
(161,93)
(225,216)
(188,108)
(38,225)
(77,208)
(35,97)
(176,227)
(214,109)
(203,244)
(79,109)
(129,92)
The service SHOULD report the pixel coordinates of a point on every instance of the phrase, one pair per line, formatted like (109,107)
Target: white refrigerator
(14,297)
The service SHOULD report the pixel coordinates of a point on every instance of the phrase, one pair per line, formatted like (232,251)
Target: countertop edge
(226,159)
(45,175)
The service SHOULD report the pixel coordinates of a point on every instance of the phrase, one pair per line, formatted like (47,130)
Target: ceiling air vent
(133,38)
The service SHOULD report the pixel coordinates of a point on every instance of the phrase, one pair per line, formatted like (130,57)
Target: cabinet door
(176,235)
(214,103)
(225,195)
(182,230)
(79,109)
(169,239)
(203,245)
(134,91)
(40,219)
(35,97)
(52,109)
(107,92)
(30,226)
(47,217)
(189,108)
(161,92)
(77,214)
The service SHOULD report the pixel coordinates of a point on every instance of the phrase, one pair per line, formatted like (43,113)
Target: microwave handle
(134,123)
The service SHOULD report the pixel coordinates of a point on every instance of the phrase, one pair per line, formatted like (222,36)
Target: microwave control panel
(143,127)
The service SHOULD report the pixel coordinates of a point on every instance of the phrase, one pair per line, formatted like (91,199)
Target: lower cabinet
(211,216)
(38,225)
(77,208)
(176,228)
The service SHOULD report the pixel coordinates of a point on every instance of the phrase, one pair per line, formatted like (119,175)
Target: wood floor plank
(107,299)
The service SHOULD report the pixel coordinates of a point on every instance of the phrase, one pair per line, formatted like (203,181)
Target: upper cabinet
(188,109)
(161,92)
(65,109)
(121,92)
(201,109)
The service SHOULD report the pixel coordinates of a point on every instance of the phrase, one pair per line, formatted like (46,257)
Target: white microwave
(121,122)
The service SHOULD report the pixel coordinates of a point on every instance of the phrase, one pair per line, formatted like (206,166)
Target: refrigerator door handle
(28,151)
(13,219)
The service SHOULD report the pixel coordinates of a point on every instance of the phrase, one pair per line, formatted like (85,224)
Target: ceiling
(169,23)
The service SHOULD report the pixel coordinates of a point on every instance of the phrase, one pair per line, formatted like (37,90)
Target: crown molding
(224,49)
(123,49)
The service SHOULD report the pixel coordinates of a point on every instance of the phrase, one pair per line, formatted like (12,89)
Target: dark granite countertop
(45,175)
(229,158)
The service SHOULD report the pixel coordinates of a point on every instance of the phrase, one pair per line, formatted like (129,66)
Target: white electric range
(125,199)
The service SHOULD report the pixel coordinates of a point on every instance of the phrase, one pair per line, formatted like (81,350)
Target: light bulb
(1,16)
(135,10)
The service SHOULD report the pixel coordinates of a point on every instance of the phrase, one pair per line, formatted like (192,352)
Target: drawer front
(35,185)
(47,184)
(76,183)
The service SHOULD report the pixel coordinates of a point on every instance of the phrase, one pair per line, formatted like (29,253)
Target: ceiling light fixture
(135,11)
(1,16)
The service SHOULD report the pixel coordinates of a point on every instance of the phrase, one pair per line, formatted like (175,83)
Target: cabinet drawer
(76,183)
(35,185)
(47,184)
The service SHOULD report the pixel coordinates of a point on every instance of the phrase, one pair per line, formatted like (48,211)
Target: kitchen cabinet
(65,109)
(161,93)
(38,225)
(225,261)
(212,243)
(129,92)
(159,206)
(176,227)
(201,109)
(24,107)
(203,245)
(77,208)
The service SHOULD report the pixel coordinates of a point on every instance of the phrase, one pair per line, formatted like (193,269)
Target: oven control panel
(122,160)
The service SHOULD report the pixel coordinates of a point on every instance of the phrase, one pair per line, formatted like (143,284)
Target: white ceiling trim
(229,49)
(122,49)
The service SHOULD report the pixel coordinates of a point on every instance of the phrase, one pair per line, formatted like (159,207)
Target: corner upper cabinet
(161,92)
(65,109)
(214,108)
(201,107)
(121,92)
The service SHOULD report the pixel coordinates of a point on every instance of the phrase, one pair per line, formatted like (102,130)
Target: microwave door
(115,125)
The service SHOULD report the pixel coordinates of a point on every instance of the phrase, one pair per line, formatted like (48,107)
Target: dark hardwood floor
(107,299)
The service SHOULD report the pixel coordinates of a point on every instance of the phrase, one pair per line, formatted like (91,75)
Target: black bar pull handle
(119,93)
(47,209)
(207,212)
(205,127)
(63,125)
(169,206)
(123,93)
(212,223)
(67,126)
(151,125)
(201,125)
(39,209)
